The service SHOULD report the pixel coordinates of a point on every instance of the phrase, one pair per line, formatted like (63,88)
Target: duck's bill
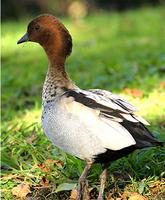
(24,38)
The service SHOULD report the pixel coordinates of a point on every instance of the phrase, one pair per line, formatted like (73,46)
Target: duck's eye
(37,27)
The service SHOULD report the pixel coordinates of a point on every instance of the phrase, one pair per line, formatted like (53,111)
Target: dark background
(15,9)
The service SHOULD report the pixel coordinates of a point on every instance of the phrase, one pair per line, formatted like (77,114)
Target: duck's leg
(103,178)
(82,181)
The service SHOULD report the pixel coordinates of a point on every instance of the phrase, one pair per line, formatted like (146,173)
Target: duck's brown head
(50,33)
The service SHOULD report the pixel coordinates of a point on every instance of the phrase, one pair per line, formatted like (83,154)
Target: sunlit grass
(111,51)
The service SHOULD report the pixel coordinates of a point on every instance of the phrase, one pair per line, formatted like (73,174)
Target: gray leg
(103,178)
(82,181)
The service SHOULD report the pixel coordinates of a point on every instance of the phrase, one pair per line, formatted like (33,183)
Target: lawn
(121,52)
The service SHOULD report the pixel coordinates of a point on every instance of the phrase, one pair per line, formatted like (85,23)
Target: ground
(121,52)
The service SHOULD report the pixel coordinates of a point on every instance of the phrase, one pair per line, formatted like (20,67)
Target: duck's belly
(68,132)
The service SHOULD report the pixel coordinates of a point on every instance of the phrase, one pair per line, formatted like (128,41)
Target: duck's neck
(56,81)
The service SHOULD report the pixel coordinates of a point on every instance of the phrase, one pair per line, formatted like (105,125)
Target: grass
(111,51)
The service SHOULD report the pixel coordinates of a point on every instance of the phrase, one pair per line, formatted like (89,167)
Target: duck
(94,125)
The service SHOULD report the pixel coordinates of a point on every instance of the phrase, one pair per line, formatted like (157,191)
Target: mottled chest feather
(55,84)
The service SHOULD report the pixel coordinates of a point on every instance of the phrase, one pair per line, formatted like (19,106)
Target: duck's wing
(110,105)
(123,106)
(113,108)
(115,99)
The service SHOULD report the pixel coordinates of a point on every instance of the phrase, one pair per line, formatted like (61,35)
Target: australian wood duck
(93,125)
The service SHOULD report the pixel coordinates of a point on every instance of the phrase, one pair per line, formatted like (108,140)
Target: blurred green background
(117,46)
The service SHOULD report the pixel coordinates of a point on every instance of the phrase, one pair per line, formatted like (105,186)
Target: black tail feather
(142,136)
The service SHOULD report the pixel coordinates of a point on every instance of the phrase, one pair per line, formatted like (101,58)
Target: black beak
(24,38)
